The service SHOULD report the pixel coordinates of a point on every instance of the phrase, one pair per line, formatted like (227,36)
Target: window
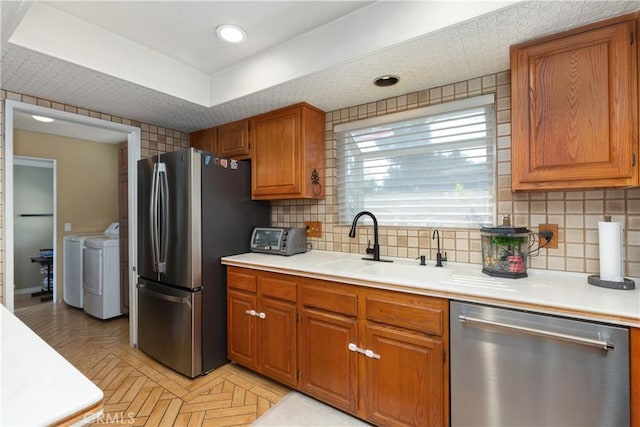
(430,167)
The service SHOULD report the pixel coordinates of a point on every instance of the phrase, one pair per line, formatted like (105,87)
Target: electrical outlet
(553,228)
(314,228)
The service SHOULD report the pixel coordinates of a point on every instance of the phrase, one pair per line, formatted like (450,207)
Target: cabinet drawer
(336,299)
(276,288)
(236,279)
(420,314)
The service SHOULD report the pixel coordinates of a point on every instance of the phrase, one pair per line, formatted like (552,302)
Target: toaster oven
(279,240)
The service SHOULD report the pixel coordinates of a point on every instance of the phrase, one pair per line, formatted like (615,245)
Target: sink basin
(344,265)
(407,272)
(398,271)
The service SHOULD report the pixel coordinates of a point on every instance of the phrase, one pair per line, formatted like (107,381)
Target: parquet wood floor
(139,391)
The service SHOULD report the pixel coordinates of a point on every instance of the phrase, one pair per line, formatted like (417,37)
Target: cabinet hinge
(297,317)
(632,37)
(633,159)
(444,356)
(297,375)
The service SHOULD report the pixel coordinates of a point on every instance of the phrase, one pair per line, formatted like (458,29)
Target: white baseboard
(21,291)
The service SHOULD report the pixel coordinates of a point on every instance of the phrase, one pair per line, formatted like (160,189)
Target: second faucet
(439,257)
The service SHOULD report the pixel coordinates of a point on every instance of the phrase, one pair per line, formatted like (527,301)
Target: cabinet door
(276,153)
(233,140)
(405,386)
(277,335)
(205,139)
(241,332)
(572,115)
(328,370)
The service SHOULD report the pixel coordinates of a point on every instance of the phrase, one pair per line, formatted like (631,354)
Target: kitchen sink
(397,271)
(408,272)
(345,265)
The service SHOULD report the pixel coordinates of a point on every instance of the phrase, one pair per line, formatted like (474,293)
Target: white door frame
(133,144)
(38,162)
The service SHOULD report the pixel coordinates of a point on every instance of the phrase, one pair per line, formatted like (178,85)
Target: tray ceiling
(159,62)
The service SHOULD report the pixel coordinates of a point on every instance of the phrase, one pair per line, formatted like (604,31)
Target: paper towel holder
(626,284)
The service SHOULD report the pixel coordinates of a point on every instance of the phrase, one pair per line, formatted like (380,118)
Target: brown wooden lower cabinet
(379,355)
(261,323)
(328,323)
(405,387)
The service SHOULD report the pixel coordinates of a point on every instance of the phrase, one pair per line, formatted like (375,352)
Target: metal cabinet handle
(367,352)
(371,354)
(542,333)
(256,314)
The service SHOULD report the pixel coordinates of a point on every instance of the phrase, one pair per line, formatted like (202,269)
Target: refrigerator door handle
(158,295)
(153,218)
(164,217)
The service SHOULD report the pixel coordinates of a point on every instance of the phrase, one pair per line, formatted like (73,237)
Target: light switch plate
(67,226)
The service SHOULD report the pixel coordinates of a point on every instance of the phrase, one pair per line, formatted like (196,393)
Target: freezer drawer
(169,326)
(516,368)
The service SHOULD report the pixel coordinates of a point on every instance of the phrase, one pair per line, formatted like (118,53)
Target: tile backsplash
(576,212)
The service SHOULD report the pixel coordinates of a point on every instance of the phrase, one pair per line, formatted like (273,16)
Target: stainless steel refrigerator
(193,209)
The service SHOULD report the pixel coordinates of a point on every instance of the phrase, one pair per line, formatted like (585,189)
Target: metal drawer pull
(564,337)
(256,314)
(170,298)
(368,353)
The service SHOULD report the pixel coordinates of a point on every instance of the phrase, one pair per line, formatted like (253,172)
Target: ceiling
(159,61)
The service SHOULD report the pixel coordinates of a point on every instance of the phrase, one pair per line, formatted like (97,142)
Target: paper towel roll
(610,238)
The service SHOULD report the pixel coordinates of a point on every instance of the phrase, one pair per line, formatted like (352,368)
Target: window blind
(432,167)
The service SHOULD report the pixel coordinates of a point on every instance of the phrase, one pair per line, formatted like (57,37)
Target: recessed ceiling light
(384,81)
(43,119)
(231,33)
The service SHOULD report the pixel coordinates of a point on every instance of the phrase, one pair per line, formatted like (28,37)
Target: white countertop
(38,386)
(544,291)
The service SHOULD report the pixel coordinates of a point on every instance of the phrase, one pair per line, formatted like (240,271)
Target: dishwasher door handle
(539,332)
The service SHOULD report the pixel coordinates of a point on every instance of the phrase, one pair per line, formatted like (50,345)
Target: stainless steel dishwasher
(517,368)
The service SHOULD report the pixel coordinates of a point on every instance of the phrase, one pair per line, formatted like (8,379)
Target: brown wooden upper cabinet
(233,140)
(574,108)
(288,154)
(205,139)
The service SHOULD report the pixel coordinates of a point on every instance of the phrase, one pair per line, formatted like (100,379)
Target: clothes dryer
(72,249)
(101,278)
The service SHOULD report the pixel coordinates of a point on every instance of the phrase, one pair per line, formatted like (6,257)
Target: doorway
(34,230)
(90,125)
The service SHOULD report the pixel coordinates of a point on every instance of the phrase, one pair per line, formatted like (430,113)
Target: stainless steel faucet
(439,257)
(375,250)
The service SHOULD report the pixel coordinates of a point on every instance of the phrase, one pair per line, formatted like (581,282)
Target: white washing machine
(101,277)
(72,249)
